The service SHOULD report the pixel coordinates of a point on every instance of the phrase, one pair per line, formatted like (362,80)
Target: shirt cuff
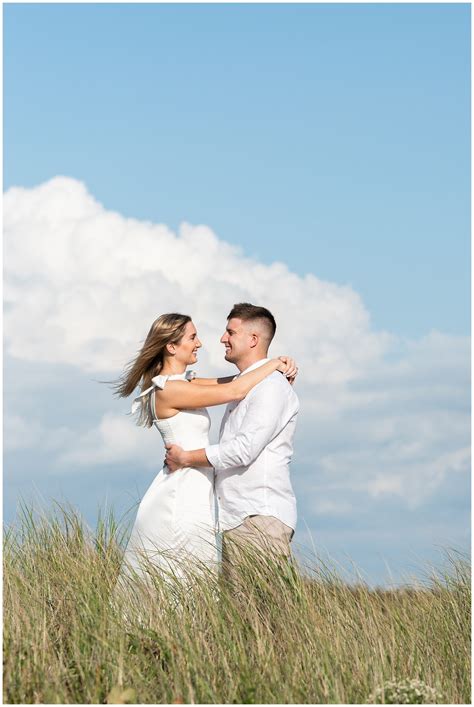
(212,453)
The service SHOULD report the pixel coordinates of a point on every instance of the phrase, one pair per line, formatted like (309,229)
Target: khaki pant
(261,534)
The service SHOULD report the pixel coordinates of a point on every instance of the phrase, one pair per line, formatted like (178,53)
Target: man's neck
(248,361)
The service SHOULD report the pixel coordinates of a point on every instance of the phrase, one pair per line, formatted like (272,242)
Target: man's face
(237,340)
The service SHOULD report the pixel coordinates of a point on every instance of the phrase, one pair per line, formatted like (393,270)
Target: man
(251,462)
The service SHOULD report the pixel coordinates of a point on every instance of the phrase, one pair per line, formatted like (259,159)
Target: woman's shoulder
(159,382)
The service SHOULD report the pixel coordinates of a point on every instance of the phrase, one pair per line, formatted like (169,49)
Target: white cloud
(19,434)
(22,432)
(326,506)
(379,415)
(115,441)
(82,286)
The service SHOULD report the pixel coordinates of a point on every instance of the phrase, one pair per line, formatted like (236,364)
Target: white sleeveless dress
(175,527)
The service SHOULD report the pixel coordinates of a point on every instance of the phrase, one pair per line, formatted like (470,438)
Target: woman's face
(186,349)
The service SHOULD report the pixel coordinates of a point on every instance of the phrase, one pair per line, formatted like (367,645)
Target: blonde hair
(167,329)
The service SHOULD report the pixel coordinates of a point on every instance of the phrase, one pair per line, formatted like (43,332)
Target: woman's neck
(172,368)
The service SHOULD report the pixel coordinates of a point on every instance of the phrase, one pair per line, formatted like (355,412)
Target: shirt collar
(257,364)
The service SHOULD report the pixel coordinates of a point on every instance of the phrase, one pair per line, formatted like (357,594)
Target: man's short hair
(250,312)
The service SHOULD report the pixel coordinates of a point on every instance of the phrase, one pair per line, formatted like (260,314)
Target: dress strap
(158,382)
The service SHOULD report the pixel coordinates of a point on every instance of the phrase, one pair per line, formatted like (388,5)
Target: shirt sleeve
(268,412)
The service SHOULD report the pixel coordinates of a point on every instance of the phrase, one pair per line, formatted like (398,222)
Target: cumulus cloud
(82,286)
(19,434)
(114,441)
(398,432)
(379,415)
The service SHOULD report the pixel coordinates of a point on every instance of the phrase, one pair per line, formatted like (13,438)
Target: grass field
(283,638)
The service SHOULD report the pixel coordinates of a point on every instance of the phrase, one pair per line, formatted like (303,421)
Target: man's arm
(267,413)
(177,458)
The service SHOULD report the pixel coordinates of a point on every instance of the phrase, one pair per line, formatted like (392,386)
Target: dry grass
(69,637)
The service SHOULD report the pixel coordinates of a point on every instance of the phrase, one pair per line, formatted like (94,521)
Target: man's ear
(254,339)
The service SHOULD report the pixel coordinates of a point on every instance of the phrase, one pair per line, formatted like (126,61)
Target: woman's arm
(179,395)
(213,381)
(290,373)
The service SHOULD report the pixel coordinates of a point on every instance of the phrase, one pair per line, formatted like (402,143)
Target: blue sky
(332,138)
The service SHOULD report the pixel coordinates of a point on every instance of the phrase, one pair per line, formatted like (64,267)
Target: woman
(175,523)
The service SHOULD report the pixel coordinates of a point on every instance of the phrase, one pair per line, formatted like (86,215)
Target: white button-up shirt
(252,459)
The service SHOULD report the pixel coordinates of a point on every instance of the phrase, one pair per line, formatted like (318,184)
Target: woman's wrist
(279,365)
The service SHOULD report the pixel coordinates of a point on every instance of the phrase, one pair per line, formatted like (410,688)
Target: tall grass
(281,637)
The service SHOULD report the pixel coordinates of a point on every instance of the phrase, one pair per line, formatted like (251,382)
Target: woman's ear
(171,349)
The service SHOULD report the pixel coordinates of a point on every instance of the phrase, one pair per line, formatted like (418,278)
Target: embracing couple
(246,474)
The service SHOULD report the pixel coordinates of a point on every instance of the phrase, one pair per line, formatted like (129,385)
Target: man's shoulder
(274,383)
(270,381)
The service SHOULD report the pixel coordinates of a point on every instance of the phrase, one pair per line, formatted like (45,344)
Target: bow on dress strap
(158,382)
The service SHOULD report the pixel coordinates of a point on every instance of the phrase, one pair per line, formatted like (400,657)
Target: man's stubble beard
(232,359)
